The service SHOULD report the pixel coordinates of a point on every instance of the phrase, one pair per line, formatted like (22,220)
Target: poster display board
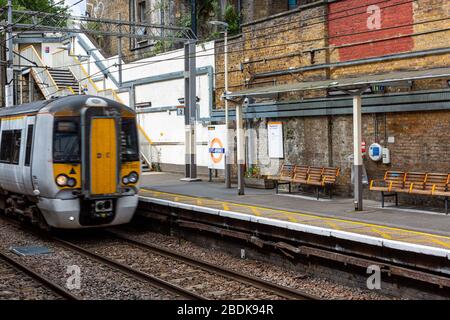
(275,139)
(216,147)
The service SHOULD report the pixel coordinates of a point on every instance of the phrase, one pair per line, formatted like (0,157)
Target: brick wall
(110,10)
(422,140)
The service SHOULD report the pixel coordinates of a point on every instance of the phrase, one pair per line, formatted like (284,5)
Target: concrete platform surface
(414,226)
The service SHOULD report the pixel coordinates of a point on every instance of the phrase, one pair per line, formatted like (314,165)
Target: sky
(79,9)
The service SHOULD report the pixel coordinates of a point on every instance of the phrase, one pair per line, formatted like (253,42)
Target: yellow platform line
(437,241)
(431,236)
(383,234)
(255,211)
(333,225)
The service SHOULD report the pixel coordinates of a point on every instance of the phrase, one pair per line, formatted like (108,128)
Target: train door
(103,156)
(27,154)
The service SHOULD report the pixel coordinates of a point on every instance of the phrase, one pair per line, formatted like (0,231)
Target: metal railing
(148,150)
(40,73)
(62,59)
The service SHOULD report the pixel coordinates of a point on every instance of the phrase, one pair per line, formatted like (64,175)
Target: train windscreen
(129,144)
(66,142)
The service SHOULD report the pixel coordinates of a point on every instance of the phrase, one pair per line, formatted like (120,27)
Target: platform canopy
(354,86)
(344,83)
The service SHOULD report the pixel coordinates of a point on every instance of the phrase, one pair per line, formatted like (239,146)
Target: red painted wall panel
(356,21)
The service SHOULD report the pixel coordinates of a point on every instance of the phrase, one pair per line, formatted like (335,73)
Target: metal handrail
(80,73)
(42,77)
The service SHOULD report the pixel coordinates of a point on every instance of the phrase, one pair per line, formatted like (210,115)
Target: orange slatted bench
(285,176)
(320,177)
(435,185)
(393,180)
(419,183)
(300,174)
(324,177)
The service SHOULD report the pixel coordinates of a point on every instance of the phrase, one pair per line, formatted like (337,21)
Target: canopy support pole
(240,149)
(357,153)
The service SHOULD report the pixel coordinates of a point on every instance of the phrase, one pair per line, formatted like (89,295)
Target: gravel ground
(15,285)
(194,279)
(314,285)
(97,280)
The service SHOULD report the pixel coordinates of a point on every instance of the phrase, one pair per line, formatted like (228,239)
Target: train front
(95,163)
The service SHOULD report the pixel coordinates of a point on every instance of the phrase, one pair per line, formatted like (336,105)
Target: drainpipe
(194,17)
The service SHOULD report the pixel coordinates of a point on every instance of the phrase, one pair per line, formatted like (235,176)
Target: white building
(153,86)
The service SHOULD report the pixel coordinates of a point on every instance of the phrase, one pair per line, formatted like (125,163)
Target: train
(69,162)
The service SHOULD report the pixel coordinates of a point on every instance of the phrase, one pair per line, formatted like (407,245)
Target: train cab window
(10,146)
(66,142)
(29,145)
(129,143)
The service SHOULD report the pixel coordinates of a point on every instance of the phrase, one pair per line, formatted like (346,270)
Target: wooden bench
(320,177)
(418,183)
(393,180)
(324,177)
(285,176)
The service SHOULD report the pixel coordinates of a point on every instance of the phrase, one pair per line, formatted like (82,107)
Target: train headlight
(71,182)
(62,180)
(133,177)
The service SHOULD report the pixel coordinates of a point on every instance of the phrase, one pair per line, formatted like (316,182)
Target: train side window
(5,149)
(29,145)
(10,146)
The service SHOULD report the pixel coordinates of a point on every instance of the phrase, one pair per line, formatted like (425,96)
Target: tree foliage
(232,18)
(48,6)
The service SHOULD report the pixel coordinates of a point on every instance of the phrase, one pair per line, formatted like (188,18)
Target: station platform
(401,228)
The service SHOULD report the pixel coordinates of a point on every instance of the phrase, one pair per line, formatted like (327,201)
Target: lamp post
(225,26)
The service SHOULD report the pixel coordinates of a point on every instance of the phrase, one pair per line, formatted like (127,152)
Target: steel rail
(40,278)
(136,274)
(160,283)
(401,270)
(279,290)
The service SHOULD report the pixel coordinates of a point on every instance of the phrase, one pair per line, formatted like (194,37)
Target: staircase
(145,167)
(65,79)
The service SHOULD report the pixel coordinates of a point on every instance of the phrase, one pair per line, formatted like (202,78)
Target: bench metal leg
(289,187)
(276,187)
(396,199)
(446,205)
(318,195)
(382,199)
(330,187)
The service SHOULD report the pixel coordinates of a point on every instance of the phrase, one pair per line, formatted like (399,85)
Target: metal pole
(186,112)
(194,16)
(9,88)
(190,110)
(357,153)
(227,126)
(193,107)
(119,55)
(240,149)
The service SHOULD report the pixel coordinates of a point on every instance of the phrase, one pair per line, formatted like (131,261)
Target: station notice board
(216,147)
(275,139)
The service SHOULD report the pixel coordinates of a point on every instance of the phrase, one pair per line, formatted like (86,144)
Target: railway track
(219,282)
(154,281)
(44,281)
(176,291)
(204,278)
